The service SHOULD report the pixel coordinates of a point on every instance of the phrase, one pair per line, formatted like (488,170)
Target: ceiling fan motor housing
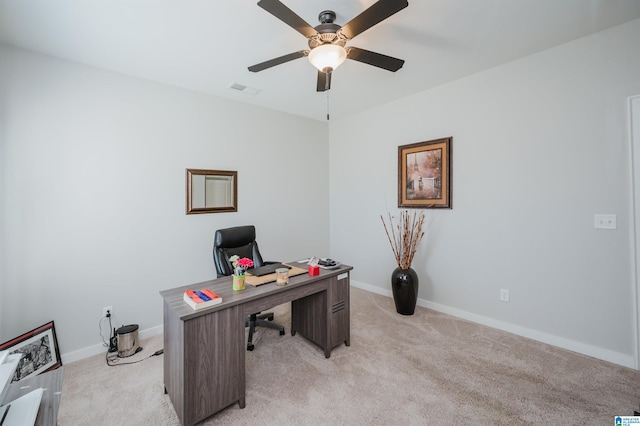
(327,17)
(327,31)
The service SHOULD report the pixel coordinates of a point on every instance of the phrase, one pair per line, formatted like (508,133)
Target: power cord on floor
(113,358)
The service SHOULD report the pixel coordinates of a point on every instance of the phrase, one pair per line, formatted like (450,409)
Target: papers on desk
(8,368)
(22,411)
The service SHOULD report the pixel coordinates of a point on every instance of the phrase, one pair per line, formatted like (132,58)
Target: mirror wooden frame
(193,206)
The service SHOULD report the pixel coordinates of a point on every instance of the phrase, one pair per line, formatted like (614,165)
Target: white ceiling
(206,45)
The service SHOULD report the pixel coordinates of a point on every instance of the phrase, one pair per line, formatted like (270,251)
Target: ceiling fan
(327,40)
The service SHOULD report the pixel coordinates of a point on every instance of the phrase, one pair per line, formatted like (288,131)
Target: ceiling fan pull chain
(328,105)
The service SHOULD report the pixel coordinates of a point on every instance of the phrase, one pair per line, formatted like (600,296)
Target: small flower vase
(238,282)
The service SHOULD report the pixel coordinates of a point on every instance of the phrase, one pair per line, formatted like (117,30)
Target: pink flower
(245,262)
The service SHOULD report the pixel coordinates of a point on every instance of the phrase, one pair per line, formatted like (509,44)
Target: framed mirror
(212,191)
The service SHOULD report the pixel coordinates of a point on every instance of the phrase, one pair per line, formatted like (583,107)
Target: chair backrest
(240,240)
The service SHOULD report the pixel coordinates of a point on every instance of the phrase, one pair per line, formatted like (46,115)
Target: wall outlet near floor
(107,310)
(504,295)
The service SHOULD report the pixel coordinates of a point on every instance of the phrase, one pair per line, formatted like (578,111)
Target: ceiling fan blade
(378,12)
(288,16)
(277,61)
(324,81)
(376,59)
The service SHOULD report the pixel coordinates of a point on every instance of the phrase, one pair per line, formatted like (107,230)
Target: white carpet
(429,368)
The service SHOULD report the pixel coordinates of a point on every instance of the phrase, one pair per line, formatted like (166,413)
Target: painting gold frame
(424,174)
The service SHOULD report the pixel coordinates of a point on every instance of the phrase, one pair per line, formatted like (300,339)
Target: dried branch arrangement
(404,236)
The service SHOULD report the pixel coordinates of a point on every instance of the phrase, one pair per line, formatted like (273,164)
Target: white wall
(93,192)
(540,145)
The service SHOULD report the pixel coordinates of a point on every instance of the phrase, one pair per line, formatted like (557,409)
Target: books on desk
(201,299)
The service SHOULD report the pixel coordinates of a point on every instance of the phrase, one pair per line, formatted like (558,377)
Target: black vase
(404,284)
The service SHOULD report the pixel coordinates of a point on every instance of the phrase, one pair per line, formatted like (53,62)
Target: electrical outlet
(504,295)
(604,221)
(107,310)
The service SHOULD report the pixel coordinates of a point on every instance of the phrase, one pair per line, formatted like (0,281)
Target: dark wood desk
(204,351)
(52,384)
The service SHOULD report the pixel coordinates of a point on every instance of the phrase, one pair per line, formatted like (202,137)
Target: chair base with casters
(262,320)
(241,241)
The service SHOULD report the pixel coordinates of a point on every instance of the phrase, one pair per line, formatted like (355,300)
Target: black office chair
(241,241)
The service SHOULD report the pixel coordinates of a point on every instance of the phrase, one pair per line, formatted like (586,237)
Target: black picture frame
(40,351)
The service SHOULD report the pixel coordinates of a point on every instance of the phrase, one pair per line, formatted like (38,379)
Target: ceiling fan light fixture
(327,56)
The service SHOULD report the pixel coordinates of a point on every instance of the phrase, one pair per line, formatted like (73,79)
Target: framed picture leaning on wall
(424,174)
(39,349)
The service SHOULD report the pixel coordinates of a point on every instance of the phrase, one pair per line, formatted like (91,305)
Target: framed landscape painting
(424,174)
(39,349)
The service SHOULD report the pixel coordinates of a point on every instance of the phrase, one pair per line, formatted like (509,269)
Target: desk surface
(223,287)
(52,383)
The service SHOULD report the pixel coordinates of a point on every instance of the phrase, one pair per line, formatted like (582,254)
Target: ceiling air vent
(244,89)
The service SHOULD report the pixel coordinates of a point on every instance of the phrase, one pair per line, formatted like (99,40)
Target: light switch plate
(604,221)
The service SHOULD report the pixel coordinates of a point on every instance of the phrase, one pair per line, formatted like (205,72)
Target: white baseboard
(618,358)
(625,360)
(371,288)
(101,349)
